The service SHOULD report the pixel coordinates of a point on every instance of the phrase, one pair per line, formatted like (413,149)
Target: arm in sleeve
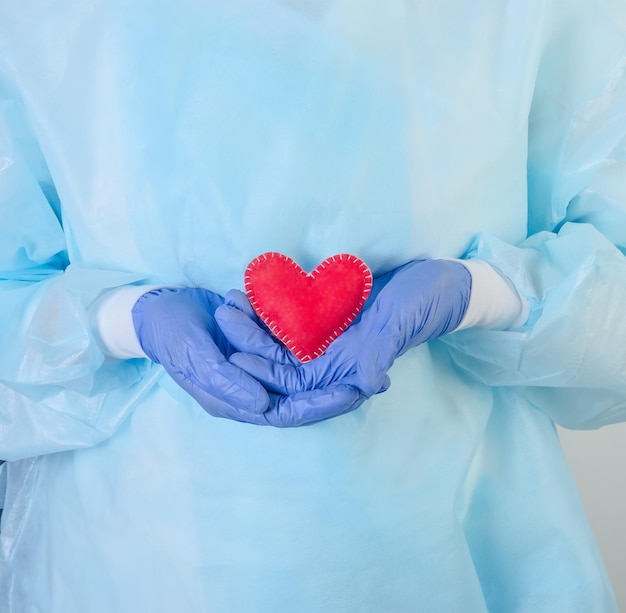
(569,358)
(57,388)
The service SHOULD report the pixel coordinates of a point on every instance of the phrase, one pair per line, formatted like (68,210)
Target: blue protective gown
(172,142)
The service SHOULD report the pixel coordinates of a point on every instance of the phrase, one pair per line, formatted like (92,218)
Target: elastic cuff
(494,303)
(112,323)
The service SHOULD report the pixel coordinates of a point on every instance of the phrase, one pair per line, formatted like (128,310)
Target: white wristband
(111,321)
(494,302)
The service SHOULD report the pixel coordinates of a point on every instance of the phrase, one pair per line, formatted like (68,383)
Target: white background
(598,462)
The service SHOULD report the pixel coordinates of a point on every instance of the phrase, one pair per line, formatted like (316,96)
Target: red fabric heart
(307,311)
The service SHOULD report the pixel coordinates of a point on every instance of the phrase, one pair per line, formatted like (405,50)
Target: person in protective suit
(163,452)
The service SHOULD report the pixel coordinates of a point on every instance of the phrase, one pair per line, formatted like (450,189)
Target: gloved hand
(412,304)
(176,328)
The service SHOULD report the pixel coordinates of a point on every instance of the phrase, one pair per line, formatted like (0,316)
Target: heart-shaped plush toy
(307,311)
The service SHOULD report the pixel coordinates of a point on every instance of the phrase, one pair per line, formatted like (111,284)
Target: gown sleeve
(57,389)
(569,358)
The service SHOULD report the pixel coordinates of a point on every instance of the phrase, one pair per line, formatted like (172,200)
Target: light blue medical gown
(171,143)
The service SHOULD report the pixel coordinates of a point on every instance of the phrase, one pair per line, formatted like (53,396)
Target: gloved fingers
(386,384)
(217,407)
(241,329)
(221,387)
(360,358)
(312,406)
(368,386)
(247,336)
(284,411)
(239,300)
(340,361)
(279,378)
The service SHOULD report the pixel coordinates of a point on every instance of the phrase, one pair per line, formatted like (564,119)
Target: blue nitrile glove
(176,328)
(415,303)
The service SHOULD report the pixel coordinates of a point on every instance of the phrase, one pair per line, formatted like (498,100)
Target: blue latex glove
(413,304)
(176,328)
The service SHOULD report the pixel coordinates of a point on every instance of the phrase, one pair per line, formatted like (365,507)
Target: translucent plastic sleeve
(57,390)
(570,356)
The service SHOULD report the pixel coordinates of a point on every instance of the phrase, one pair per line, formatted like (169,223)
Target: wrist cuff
(494,302)
(111,321)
